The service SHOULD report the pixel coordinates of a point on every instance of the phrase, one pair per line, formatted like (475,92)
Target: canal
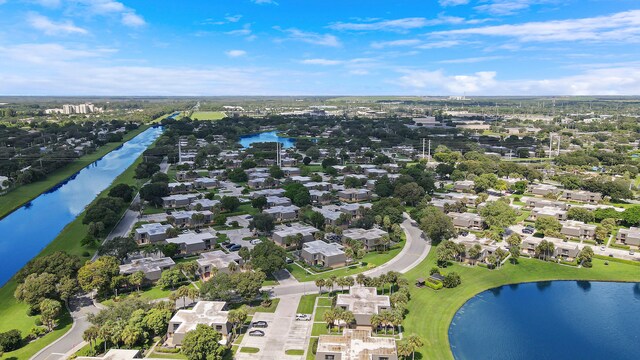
(26,231)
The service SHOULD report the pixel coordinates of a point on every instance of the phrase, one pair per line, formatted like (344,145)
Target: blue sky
(300,47)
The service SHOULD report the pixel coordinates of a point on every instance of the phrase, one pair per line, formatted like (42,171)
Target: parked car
(528,230)
(235,247)
(255,241)
(303,317)
(289,261)
(259,324)
(230,245)
(602,248)
(256,333)
(631,252)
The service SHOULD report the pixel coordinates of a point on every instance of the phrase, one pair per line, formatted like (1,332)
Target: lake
(26,231)
(550,320)
(270,136)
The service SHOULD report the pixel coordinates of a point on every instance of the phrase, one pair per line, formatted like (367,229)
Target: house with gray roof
(192,243)
(210,313)
(370,238)
(283,213)
(219,260)
(363,302)
(355,344)
(322,254)
(151,233)
(151,267)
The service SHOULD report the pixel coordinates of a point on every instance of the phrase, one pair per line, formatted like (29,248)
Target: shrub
(10,340)
(451,280)
(482,264)
(436,285)
(36,332)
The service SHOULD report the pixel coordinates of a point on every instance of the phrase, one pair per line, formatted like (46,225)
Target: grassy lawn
(372,260)
(254,308)
(433,325)
(325,301)
(208,115)
(294,352)
(319,329)
(159,355)
(307,302)
(25,193)
(249,350)
(320,313)
(30,349)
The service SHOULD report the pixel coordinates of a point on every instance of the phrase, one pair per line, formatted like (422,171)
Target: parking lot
(283,332)
(236,236)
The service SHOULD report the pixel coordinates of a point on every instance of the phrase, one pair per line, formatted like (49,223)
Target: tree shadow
(543,285)
(584,285)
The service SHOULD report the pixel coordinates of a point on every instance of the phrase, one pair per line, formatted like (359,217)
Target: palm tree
(384,242)
(91,334)
(330,318)
(361,279)
(416,343)
(347,318)
(376,321)
(349,282)
(320,283)
(233,266)
(136,279)
(405,349)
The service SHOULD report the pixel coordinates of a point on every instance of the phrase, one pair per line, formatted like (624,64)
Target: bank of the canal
(23,194)
(14,314)
(31,228)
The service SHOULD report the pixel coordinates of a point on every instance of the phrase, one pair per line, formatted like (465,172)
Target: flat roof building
(210,313)
(356,345)
(363,302)
(152,268)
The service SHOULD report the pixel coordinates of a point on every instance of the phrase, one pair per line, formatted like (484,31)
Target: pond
(26,231)
(550,320)
(270,136)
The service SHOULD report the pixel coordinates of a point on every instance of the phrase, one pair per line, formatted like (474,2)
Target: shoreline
(60,176)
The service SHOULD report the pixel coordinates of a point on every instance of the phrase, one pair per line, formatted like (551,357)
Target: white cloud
(471,60)
(508,7)
(260,2)
(233,18)
(403,24)
(453,2)
(440,44)
(132,20)
(310,37)
(438,81)
(49,54)
(323,62)
(235,53)
(623,26)
(394,43)
(45,3)
(128,16)
(51,27)
(245,31)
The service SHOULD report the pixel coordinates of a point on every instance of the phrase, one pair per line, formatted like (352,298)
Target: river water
(26,231)
(550,320)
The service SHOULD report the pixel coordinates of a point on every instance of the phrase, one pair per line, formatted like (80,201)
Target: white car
(303,317)
(255,241)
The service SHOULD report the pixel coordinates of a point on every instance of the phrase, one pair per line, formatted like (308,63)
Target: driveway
(237,235)
(243,220)
(230,189)
(282,333)
(80,307)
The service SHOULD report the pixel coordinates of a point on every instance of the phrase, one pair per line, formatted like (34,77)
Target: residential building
(205,183)
(151,233)
(185,218)
(178,200)
(210,313)
(566,251)
(186,175)
(542,189)
(375,173)
(529,245)
(151,267)
(581,196)
(355,210)
(467,199)
(322,185)
(206,204)
(356,345)
(533,202)
(561,215)
(322,254)
(282,232)
(266,193)
(192,243)
(219,260)
(363,302)
(273,201)
(578,230)
(320,196)
(283,213)
(179,187)
(354,195)
(440,203)
(300,179)
(369,238)
(464,186)
(466,220)
(629,236)
(290,171)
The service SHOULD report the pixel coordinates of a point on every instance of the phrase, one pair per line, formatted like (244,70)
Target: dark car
(256,333)
(259,324)
(235,247)
(230,245)
(528,230)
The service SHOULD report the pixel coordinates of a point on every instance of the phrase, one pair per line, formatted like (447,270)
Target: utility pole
(550,144)
(429,158)
(423,144)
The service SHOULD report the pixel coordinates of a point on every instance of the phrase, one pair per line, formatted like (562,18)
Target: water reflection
(271,136)
(584,285)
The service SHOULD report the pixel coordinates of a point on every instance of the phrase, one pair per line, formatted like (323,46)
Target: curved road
(415,250)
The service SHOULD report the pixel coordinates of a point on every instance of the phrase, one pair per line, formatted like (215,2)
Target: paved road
(415,250)
(80,308)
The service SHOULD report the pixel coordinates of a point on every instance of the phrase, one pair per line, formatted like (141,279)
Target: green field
(25,193)
(431,312)
(208,115)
